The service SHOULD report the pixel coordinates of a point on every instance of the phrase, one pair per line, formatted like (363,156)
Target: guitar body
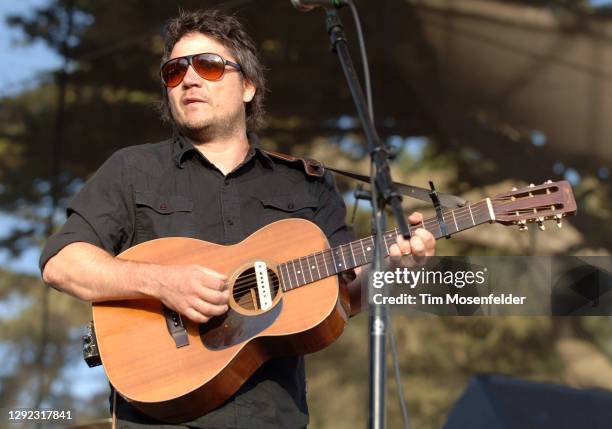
(179,383)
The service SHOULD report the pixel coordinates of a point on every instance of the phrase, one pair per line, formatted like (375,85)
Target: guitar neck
(307,269)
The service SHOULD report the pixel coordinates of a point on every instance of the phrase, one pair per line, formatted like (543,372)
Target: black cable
(364,59)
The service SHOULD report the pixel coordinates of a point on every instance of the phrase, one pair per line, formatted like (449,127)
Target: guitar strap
(317,169)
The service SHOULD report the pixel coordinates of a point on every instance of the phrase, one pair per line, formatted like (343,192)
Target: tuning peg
(523,225)
(514,189)
(548,182)
(558,219)
(531,185)
(541,225)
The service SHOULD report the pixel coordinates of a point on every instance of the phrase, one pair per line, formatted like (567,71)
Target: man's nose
(191,77)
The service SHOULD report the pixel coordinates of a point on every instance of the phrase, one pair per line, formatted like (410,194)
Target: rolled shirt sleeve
(100,214)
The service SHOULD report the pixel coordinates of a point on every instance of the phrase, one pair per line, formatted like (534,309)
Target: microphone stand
(383,193)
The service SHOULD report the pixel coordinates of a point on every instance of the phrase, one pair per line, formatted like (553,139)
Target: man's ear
(249,91)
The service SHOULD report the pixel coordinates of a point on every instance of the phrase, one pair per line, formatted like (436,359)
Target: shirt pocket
(279,207)
(163,216)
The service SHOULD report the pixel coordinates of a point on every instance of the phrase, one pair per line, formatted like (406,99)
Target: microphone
(308,5)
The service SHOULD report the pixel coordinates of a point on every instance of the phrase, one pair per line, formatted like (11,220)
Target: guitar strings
(459,214)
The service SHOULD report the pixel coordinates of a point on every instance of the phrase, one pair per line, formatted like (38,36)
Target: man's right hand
(196,292)
(91,274)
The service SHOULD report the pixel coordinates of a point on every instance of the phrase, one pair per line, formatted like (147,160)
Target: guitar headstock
(550,200)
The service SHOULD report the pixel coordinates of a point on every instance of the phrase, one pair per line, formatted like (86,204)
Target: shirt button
(226,182)
(230,222)
(290,205)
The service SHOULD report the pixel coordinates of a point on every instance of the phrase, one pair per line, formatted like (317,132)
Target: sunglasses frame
(189,59)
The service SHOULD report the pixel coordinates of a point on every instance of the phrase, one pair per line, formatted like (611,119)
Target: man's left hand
(422,242)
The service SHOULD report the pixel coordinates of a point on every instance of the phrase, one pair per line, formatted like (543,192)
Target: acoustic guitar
(285,300)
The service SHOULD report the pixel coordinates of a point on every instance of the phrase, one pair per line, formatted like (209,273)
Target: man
(213,182)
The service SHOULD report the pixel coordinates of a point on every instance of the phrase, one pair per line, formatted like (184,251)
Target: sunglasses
(207,66)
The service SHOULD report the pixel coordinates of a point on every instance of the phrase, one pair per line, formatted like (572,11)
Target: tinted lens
(208,66)
(174,71)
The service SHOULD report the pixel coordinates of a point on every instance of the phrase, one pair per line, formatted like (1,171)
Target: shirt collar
(183,146)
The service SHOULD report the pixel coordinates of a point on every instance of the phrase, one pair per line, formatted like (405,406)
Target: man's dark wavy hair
(229,31)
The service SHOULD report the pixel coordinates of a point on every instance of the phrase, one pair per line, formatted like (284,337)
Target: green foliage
(22,328)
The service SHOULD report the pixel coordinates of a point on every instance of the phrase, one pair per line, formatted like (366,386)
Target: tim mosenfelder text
(423,277)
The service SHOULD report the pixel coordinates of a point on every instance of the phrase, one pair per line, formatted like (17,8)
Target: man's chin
(210,128)
(193,128)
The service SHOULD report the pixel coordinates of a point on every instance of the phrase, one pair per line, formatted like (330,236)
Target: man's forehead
(196,43)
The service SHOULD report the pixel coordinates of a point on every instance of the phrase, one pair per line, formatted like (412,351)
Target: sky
(21,64)
(19,67)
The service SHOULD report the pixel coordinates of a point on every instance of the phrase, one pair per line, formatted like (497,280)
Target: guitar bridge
(174,322)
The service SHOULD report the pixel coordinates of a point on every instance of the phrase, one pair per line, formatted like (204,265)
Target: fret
(317,265)
(343,260)
(301,272)
(320,254)
(464,221)
(337,258)
(364,252)
(366,255)
(392,237)
(385,241)
(358,254)
(325,262)
(350,246)
(313,265)
(304,271)
(309,270)
(448,224)
(455,220)
(334,263)
(471,215)
(333,260)
(295,273)
(370,248)
(288,276)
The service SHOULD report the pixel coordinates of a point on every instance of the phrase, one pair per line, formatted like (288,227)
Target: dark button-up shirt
(170,189)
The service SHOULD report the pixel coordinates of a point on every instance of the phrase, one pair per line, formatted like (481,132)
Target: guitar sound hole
(245,289)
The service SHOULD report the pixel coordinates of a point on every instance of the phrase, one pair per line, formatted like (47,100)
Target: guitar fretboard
(307,269)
